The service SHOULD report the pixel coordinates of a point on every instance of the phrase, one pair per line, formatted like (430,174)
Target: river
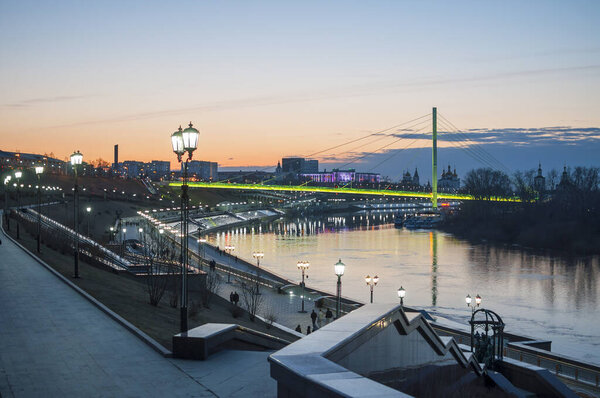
(544,296)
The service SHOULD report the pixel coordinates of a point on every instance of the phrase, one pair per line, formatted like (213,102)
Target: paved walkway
(286,307)
(53,342)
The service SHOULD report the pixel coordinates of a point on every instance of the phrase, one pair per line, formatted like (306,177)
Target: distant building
(449,180)
(203,170)
(539,181)
(299,165)
(159,169)
(115,165)
(565,180)
(11,160)
(342,176)
(133,168)
(410,180)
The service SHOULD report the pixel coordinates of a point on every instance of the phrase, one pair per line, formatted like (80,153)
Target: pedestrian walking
(236,298)
(299,329)
(313,316)
(231,297)
(328,316)
(308,330)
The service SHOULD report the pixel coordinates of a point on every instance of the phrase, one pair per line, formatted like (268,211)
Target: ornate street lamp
(88,211)
(38,172)
(76,160)
(257,256)
(401,295)
(18,175)
(184,141)
(303,266)
(371,282)
(339,269)
(6,185)
(469,300)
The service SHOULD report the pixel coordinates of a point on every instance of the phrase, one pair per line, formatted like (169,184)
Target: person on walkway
(299,329)
(313,316)
(308,330)
(328,316)
(321,319)
(231,297)
(236,298)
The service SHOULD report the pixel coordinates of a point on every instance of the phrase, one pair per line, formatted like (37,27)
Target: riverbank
(534,226)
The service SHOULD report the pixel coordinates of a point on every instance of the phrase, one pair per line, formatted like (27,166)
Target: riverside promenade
(54,342)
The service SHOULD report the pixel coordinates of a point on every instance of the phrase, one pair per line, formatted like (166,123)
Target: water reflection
(544,296)
(433,254)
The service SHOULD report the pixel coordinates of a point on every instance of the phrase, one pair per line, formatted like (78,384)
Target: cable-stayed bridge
(405,134)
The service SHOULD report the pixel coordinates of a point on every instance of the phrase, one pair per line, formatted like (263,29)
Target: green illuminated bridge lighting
(342,190)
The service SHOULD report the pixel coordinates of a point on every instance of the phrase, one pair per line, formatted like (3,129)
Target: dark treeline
(557,213)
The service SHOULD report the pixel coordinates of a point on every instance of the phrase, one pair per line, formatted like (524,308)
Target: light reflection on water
(547,297)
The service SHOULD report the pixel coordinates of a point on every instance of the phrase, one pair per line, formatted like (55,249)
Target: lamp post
(469,301)
(303,266)
(401,295)
(184,141)
(6,185)
(18,176)
(38,171)
(88,210)
(76,160)
(123,241)
(257,256)
(228,249)
(339,269)
(371,282)
(201,242)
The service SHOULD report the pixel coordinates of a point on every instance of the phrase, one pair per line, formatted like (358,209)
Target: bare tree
(486,183)
(524,186)
(211,287)
(157,272)
(253,300)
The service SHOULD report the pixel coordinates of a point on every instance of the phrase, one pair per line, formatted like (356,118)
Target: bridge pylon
(434,160)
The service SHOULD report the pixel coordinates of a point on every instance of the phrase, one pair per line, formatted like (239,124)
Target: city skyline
(266,80)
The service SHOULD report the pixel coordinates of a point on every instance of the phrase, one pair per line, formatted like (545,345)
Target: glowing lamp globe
(190,139)
(401,292)
(76,158)
(339,268)
(177,142)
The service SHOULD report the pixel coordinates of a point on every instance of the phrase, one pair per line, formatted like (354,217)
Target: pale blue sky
(277,78)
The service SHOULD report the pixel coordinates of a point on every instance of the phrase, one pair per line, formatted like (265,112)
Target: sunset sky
(266,79)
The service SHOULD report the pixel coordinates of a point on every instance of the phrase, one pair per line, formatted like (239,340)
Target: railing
(561,366)
(564,367)
(112,260)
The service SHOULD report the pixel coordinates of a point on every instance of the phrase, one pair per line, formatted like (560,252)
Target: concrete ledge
(312,366)
(533,378)
(122,321)
(201,342)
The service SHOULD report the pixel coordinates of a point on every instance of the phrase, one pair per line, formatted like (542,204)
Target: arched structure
(487,336)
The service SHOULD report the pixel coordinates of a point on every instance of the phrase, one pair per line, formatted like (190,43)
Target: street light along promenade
(303,266)
(371,282)
(184,141)
(76,160)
